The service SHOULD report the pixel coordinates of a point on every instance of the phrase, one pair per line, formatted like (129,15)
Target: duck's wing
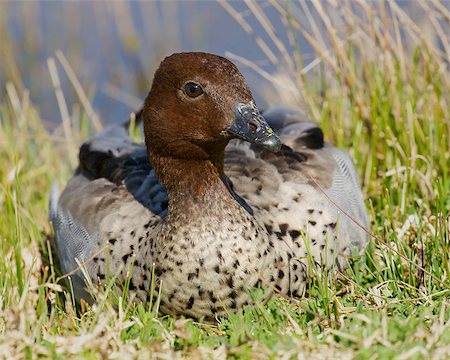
(113,200)
(308,194)
(113,156)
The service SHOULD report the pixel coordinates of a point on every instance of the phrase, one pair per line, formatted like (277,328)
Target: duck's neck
(193,185)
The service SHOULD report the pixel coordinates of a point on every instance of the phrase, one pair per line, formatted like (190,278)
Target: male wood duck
(222,198)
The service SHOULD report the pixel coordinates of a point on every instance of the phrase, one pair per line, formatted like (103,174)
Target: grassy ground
(386,100)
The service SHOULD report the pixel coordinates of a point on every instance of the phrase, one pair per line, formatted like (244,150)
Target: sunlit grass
(388,104)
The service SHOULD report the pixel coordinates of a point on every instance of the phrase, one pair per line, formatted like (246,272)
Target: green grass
(387,105)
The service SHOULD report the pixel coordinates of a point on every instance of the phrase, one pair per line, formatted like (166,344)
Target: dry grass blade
(442,10)
(79,90)
(268,28)
(246,26)
(444,37)
(317,46)
(71,147)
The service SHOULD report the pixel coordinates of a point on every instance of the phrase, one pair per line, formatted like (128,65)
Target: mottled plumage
(224,221)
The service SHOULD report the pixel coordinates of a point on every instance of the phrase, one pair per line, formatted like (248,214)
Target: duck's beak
(250,126)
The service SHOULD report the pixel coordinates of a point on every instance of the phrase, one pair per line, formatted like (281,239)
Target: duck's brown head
(197,103)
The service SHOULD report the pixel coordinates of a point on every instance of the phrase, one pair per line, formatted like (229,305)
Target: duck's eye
(193,90)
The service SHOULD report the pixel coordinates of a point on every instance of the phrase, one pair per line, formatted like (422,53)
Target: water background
(114,47)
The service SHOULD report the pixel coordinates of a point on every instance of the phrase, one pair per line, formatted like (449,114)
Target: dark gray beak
(250,126)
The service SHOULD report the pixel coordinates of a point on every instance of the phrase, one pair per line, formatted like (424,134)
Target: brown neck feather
(191,181)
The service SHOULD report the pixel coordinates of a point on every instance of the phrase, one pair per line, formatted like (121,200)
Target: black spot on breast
(311,211)
(158,271)
(131,286)
(283,228)
(219,255)
(230,282)
(190,302)
(313,223)
(294,234)
(332,225)
(280,274)
(217,269)
(269,228)
(112,241)
(125,257)
(236,264)
(232,294)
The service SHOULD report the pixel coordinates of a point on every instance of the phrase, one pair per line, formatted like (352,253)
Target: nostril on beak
(252,126)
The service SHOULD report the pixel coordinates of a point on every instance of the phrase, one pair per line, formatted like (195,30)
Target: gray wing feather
(72,241)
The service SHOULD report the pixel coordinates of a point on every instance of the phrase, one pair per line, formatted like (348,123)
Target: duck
(221,199)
